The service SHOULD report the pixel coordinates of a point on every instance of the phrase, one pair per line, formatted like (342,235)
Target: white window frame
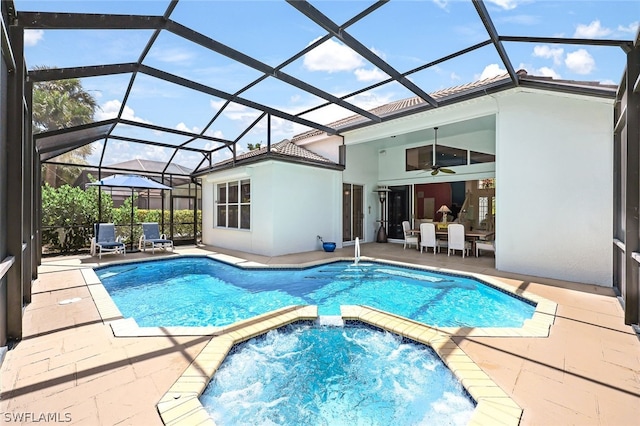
(240,205)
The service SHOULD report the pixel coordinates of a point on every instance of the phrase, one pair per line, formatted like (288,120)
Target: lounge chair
(151,236)
(105,240)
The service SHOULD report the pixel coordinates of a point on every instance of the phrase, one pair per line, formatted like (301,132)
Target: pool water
(318,375)
(197,291)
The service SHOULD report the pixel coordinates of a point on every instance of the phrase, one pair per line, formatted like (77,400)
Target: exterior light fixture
(382,231)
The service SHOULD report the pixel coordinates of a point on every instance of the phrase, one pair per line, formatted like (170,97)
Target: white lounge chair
(409,238)
(151,237)
(105,240)
(428,238)
(457,239)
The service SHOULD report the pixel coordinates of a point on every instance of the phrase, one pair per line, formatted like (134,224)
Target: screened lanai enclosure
(181,86)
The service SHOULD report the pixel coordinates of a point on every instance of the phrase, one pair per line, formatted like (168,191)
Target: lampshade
(443,209)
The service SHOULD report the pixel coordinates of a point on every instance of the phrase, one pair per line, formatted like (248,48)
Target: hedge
(68,215)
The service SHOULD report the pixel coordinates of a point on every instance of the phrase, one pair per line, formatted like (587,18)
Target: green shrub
(68,214)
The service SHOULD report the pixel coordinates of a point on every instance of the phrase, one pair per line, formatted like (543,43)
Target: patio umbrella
(129,181)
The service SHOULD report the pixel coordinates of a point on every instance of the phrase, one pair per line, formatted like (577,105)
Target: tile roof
(288,148)
(284,148)
(408,104)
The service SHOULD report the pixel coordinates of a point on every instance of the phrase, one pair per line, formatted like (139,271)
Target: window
(419,158)
(447,156)
(234,204)
(481,157)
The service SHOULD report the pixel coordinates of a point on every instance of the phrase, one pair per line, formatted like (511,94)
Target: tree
(252,147)
(68,215)
(60,104)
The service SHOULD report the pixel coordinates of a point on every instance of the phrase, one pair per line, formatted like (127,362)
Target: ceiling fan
(436,168)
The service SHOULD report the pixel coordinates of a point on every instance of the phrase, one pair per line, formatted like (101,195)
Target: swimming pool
(199,291)
(368,376)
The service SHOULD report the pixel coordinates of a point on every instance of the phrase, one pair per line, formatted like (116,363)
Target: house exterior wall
(291,205)
(553,169)
(554,186)
(554,190)
(362,169)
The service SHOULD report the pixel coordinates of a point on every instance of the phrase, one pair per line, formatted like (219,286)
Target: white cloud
(442,4)
(547,72)
(173,55)
(548,53)
(184,128)
(111,108)
(631,28)
(332,56)
(379,53)
(506,4)
(580,62)
(152,152)
(593,30)
(491,70)
(611,82)
(235,111)
(455,77)
(216,134)
(32,37)
(370,75)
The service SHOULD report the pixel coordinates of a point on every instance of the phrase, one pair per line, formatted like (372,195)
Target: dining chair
(409,237)
(457,240)
(428,238)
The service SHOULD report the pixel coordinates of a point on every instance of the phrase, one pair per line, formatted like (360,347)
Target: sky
(405,33)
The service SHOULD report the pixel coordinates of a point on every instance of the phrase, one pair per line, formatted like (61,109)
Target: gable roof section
(462,92)
(284,151)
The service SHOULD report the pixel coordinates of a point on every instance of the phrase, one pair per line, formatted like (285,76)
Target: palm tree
(60,104)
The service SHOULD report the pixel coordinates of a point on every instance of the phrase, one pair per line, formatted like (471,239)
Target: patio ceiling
(188,58)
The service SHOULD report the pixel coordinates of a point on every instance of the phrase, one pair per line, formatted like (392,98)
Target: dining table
(473,235)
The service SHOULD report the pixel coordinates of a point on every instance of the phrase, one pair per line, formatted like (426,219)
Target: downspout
(194,180)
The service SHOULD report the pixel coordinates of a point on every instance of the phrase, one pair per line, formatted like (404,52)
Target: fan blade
(434,172)
(447,170)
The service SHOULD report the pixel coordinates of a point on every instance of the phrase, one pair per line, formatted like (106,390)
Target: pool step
(330,320)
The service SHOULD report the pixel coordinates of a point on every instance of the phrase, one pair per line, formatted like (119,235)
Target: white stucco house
(547,143)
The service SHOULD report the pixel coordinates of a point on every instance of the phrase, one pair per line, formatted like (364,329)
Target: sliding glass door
(352,212)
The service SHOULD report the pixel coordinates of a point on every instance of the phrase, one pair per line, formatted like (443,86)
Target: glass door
(184,220)
(399,201)
(352,212)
